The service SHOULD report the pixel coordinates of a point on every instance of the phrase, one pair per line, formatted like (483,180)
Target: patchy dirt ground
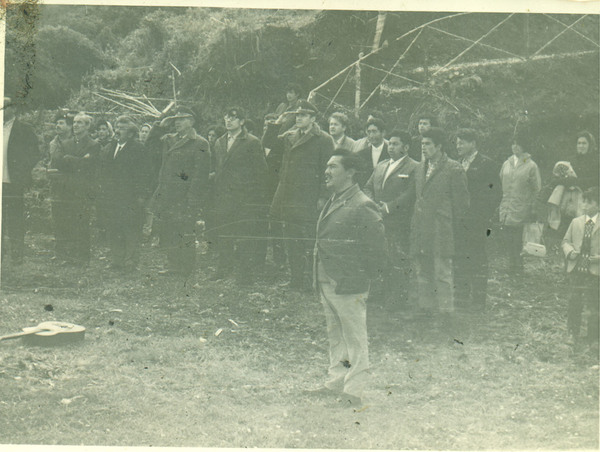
(152,372)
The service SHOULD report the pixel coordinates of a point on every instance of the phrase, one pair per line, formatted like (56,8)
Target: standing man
(73,192)
(338,123)
(301,188)
(483,183)
(392,187)
(21,153)
(125,178)
(182,188)
(424,123)
(375,151)
(240,200)
(441,201)
(349,250)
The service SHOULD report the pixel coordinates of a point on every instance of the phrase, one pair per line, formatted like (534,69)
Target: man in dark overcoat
(125,181)
(301,188)
(73,191)
(21,153)
(349,253)
(441,201)
(240,199)
(182,188)
(483,183)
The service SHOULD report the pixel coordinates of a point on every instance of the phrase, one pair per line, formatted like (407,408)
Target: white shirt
(118,148)
(391,167)
(231,139)
(7,129)
(376,153)
(594,219)
(466,162)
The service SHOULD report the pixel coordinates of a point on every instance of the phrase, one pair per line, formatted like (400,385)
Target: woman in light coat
(521,184)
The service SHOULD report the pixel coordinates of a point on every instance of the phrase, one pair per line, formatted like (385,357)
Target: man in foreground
(348,251)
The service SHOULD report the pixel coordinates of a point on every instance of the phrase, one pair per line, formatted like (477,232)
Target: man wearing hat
(240,199)
(301,188)
(182,187)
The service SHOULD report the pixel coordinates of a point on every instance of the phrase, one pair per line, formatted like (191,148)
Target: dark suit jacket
(440,206)
(23,153)
(240,177)
(302,175)
(76,177)
(366,155)
(350,241)
(485,193)
(126,179)
(398,192)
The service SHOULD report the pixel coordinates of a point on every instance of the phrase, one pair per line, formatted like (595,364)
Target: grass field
(151,371)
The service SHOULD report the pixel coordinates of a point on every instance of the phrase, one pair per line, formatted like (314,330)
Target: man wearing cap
(301,186)
(240,199)
(21,153)
(182,187)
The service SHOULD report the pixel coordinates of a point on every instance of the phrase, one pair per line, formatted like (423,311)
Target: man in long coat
(301,186)
(240,199)
(21,153)
(483,183)
(73,190)
(182,188)
(441,201)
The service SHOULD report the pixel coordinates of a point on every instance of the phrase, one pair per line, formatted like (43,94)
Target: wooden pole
(379,29)
(357,89)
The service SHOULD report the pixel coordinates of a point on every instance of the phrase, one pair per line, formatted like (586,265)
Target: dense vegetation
(213,57)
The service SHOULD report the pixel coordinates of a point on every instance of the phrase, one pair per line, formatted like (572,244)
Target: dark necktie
(586,248)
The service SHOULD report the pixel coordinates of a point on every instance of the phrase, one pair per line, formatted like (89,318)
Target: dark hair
(132,127)
(377,123)
(590,139)
(428,115)
(107,124)
(437,135)
(592,194)
(341,118)
(218,128)
(349,160)
(236,111)
(293,87)
(403,135)
(469,135)
(65,116)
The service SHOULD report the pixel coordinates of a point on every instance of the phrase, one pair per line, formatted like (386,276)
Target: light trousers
(346,317)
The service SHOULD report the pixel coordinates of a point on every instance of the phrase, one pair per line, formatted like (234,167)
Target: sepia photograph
(256,226)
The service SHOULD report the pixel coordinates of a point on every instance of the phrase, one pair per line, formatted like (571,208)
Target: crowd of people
(389,212)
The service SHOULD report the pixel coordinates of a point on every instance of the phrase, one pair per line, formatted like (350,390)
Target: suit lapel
(441,164)
(331,207)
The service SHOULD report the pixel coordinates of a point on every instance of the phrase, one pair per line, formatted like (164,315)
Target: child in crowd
(581,247)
